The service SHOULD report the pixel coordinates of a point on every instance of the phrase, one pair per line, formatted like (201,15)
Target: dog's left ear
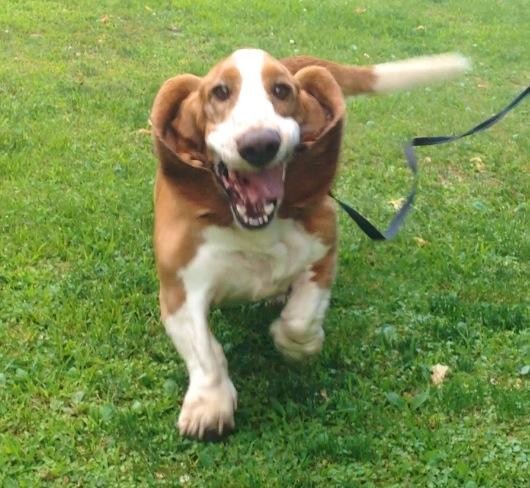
(322,106)
(319,114)
(177,120)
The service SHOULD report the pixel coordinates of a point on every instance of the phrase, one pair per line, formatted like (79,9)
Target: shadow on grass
(279,402)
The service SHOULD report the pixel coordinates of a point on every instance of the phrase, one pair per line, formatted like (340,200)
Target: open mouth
(253,195)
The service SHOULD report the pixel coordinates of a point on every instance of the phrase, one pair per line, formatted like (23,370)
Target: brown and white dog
(247,155)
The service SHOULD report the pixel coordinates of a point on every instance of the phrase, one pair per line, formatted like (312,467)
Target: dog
(247,156)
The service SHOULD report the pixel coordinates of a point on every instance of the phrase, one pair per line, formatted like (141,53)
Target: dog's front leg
(298,333)
(209,404)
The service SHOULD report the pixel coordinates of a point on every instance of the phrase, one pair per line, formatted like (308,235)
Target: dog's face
(244,121)
(251,131)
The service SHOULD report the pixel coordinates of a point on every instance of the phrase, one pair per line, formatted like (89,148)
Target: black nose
(259,146)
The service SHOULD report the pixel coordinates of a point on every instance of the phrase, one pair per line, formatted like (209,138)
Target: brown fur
(352,79)
(310,174)
(274,72)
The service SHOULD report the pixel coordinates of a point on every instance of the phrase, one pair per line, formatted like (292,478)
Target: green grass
(90,385)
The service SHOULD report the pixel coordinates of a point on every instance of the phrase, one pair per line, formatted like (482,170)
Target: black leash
(373,232)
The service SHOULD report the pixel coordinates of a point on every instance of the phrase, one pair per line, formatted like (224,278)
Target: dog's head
(246,121)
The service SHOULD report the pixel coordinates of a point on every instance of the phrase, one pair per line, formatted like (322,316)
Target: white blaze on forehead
(253,109)
(250,63)
(252,96)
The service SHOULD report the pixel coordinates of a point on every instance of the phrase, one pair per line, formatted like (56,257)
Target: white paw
(208,412)
(297,344)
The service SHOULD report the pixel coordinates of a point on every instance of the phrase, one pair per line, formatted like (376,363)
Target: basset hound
(247,156)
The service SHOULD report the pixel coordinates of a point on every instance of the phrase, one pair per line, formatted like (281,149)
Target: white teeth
(258,221)
(269,208)
(254,222)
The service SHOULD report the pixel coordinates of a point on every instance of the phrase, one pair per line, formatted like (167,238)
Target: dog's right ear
(322,106)
(178,121)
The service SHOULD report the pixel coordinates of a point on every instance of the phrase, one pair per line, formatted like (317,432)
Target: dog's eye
(281,91)
(221,92)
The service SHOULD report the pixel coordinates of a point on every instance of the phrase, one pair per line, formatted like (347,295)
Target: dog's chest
(234,264)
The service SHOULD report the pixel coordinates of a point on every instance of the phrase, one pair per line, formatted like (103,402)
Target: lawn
(90,385)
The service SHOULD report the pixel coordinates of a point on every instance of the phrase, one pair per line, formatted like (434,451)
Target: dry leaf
(360,10)
(438,374)
(398,203)
(421,242)
(420,28)
(479,164)
(105,19)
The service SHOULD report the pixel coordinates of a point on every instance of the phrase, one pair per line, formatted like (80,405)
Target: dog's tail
(386,77)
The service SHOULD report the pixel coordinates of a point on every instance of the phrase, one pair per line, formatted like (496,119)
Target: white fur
(236,264)
(298,332)
(252,110)
(233,263)
(401,75)
(211,398)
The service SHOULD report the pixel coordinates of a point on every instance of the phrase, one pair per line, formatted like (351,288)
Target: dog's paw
(296,344)
(208,412)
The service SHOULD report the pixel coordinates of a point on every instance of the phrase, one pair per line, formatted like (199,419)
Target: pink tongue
(263,185)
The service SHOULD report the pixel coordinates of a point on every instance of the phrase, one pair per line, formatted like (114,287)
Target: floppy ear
(177,120)
(322,107)
(320,114)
